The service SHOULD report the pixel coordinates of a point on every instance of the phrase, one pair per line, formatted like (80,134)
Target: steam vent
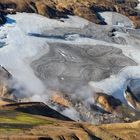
(69,69)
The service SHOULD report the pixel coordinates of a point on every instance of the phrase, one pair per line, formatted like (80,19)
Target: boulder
(107,102)
(132,98)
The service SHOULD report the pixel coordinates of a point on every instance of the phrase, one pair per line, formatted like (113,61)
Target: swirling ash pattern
(67,66)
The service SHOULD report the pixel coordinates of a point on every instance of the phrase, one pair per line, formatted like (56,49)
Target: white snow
(116,84)
(138,7)
(20,48)
(116,19)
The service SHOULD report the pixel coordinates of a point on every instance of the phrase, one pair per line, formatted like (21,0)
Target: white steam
(21,49)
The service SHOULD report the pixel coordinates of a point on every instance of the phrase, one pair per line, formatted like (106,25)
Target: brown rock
(4,76)
(41,8)
(87,9)
(108,102)
(3,91)
(136,20)
(58,98)
(86,13)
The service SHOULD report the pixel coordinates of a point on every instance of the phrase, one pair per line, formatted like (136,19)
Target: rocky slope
(61,8)
(4,77)
(75,66)
(62,49)
(15,125)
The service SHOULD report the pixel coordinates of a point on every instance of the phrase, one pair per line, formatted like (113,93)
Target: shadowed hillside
(37,108)
(15,125)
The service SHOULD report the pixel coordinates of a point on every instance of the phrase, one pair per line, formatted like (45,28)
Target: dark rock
(2,19)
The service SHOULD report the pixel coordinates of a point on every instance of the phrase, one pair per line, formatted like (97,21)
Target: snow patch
(21,49)
(116,19)
(138,7)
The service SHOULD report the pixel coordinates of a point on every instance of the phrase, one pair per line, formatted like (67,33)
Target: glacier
(68,54)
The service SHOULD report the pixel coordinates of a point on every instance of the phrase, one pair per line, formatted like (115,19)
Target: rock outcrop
(108,102)
(87,9)
(4,76)
(132,99)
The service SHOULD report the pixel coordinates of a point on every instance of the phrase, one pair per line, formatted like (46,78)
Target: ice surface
(20,47)
(25,43)
(116,19)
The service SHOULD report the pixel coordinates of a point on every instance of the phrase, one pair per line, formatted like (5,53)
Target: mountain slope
(86,9)
(16,125)
(73,57)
